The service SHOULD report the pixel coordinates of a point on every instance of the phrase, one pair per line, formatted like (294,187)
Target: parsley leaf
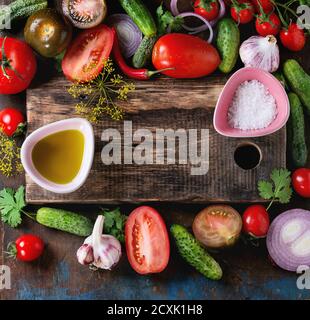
(279,188)
(11,205)
(114,223)
(165,21)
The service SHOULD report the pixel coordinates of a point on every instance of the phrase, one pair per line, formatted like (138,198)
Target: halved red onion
(288,239)
(128,33)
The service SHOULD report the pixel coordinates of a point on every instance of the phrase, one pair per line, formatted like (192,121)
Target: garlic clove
(85,254)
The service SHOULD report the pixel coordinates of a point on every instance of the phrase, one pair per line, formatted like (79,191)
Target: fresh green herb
(114,223)
(166,21)
(11,205)
(98,96)
(279,188)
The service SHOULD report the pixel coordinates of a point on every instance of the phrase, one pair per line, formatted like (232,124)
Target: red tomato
(147,241)
(86,55)
(10,119)
(209,9)
(190,56)
(256,221)
(266,5)
(293,37)
(29,247)
(18,65)
(267,24)
(301,182)
(242,11)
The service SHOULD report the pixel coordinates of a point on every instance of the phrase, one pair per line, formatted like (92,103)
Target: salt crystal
(252,107)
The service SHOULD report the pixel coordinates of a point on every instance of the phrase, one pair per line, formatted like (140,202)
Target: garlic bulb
(260,52)
(100,250)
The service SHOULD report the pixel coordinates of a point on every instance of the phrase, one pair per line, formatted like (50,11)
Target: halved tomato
(87,54)
(147,241)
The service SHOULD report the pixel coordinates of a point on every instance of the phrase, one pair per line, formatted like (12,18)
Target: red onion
(128,33)
(206,25)
(174,7)
(288,239)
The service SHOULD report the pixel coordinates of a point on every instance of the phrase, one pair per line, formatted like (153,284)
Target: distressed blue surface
(183,288)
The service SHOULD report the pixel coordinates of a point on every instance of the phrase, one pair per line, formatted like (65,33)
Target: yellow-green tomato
(47,32)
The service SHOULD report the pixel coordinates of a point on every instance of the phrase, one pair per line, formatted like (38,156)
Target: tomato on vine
(292,37)
(209,9)
(267,24)
(266,5)
(242,11)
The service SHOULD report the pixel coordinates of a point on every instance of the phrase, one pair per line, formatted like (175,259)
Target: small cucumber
(228,43)
(143,55)
(141,16)
(280,76)
(65,221)
(193,252)
(299,81)
(296,127)
(20,9)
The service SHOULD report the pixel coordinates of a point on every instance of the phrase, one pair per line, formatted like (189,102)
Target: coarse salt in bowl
(275,88)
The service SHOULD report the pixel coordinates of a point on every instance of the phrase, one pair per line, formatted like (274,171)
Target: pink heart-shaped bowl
(220,120)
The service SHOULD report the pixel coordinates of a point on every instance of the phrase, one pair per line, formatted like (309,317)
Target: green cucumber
(299,81)
(296,127)
(280,76)
(20,9)
(65,221)
(228,43)
(141,16)
(143,55)
(193,252)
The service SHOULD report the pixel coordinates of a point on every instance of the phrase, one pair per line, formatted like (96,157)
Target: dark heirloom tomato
(47,32)
(217,226)
(189,56)
(147,241)
(87,54)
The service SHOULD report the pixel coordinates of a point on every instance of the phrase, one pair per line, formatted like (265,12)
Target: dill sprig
(10,163)
(97,96)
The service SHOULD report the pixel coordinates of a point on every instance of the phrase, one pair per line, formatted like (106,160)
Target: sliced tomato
(87,54)
(147,241)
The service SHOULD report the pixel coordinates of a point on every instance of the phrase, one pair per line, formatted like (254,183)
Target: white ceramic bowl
(89,148)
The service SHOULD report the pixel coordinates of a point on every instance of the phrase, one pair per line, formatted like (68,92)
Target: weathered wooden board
(163,103)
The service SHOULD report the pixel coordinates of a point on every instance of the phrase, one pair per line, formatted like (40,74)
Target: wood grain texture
(164,104)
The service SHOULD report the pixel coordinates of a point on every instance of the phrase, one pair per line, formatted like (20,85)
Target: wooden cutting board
(161,103)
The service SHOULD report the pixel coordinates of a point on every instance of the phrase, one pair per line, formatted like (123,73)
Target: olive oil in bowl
(58,157)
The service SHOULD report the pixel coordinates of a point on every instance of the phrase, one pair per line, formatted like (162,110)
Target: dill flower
(97,97)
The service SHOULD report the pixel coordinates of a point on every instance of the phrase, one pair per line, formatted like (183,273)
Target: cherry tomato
(266,5)
(189,56)
(242,11)
(18,65)
(209,9)
(256,221)
(293,37)
(147,241)
(301,182)
(217,226)
(267,24)
(86,55)
(10,120)
(29,247)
